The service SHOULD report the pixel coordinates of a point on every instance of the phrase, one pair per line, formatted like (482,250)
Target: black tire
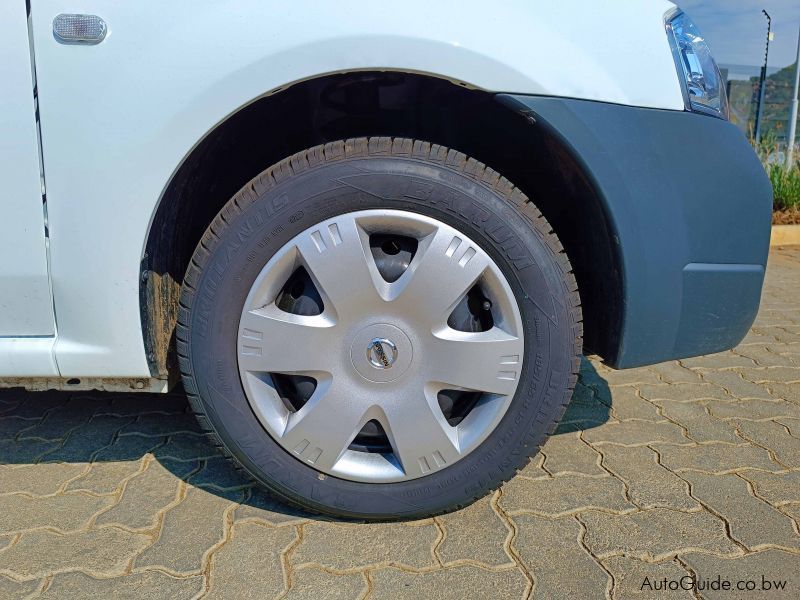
(306,189)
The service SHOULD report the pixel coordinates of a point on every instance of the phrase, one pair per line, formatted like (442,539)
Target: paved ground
(689,467)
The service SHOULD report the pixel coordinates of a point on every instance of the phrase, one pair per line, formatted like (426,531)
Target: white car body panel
(26,308)
(119,117)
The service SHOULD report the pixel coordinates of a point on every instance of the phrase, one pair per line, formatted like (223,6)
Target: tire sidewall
(270,219)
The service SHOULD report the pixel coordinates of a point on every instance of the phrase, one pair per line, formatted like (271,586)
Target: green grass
(785,186)
(785,182)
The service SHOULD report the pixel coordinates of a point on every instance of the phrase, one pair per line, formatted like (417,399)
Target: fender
(119,118)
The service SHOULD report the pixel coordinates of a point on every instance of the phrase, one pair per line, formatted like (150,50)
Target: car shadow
(81,430)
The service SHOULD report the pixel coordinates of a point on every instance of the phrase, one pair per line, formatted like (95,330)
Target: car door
(26,305)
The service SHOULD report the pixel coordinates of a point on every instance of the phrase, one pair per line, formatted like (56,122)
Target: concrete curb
(785,235)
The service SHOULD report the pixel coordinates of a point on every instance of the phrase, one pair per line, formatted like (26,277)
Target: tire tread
(382,147)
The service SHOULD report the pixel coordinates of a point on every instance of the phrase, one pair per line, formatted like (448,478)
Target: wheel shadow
(591,402)
(82,431)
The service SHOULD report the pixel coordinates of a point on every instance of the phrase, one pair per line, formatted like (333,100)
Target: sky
(737,31)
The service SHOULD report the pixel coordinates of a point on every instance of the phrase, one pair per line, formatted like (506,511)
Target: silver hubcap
(379,351)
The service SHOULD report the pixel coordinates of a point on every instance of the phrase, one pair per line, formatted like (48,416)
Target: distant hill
(775,115)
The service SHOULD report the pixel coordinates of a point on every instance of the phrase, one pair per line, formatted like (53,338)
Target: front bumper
(690,207)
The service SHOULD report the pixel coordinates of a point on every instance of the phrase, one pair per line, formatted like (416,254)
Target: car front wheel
(379,328)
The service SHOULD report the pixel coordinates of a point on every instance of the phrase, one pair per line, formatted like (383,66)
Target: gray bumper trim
(678,189)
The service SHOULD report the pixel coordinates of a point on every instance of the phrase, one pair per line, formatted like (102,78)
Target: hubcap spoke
(338,262)
(422,439)
(321,431)
(271,340)
(488,361)
(381,348)
(444,269)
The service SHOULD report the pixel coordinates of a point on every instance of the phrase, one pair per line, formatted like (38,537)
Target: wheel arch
(367,103)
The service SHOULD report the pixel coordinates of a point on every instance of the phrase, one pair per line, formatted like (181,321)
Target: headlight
(701,80)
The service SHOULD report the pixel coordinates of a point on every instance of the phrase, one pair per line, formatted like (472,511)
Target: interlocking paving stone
(628,376)
(343,546)
(88,403)
(793,512)
(65,512)
(8,405)
(144,497)
(760,336)
(588,376)
(700,425)
(568,454)
(735,385)
(722,360)
(39,479)
(156,425)
(776,488)
(655,533)
(128,448)
(752,522)
(684,392)
(142,404)
(768,317)
(140,539)
(771,565)
(570,573)
(784,391)
(564,494)
(774,436)
(785,334)
(107,551)
(753,409)
(764,357)
(11,426)
(10,588)
(185,538)
(105,477)
(716,458)
(315,584)
(84,441)
(464,583)
(25,451)
(792,425)
(218,472)
(627,404)
(637,579)
(61,420)
(636,432)
(673,372)
(475,533)
(649,484)
(150,585)
(534,467)
(793,354)
(585,408)
(248,565)
(600,390)
(185,446)
(262,506)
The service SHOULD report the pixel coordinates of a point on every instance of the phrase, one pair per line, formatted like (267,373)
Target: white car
(372,239)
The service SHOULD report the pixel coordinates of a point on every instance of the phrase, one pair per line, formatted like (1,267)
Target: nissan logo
(381,353)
